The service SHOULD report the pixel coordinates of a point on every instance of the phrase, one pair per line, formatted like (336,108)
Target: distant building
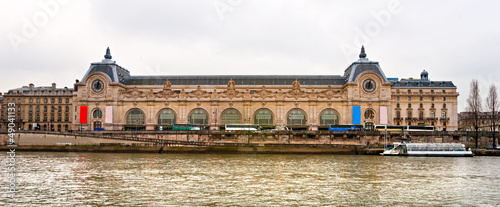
(110,98)
(466,121)
(1,112)
(46,108)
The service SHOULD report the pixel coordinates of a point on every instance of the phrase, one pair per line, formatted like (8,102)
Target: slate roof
(405,83)
(360,66)
(110,68)
(238,79)
(39,89)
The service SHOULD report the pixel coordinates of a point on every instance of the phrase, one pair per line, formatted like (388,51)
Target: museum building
(108,97)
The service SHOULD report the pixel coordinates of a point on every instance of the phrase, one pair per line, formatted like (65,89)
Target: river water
(129,179)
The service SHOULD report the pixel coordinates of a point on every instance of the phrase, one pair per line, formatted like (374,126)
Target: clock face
(369,85)
(97,86)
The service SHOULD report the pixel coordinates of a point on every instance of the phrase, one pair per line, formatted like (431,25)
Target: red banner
(83,114)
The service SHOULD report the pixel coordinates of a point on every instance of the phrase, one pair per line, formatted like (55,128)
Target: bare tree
(474,106)
(492,107)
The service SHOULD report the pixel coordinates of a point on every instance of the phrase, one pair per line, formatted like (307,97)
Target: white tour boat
(428,149)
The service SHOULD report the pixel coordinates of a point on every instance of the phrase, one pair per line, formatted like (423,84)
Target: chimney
(53,86)
(32,86)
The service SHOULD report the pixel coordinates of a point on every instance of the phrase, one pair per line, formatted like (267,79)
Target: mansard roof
(238,79)
(405,83)
(117,73)
(41,89)
(363,65)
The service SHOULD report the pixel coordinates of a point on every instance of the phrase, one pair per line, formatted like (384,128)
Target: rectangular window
(444,98)
(409,98)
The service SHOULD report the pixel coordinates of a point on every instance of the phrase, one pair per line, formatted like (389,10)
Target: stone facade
(363,95)
(49,108)
(466,121)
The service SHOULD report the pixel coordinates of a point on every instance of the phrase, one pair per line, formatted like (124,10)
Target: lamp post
(188,129)
(248,139)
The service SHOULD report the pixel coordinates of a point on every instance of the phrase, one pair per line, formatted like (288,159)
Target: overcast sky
(48,41)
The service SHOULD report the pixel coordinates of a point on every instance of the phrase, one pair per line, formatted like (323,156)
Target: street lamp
(188,129)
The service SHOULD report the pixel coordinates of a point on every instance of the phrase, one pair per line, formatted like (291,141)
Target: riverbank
(313,149)
(282,149)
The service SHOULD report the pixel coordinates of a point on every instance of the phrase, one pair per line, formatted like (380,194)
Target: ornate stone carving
(198,93)
(231,91)
(296,93)
(167,85)
(231,84)
(134,93)
(329,93)
(167,94)
(296,84)
(150,94)
(263,93)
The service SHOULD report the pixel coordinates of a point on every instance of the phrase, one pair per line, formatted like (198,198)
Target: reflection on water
(97,179)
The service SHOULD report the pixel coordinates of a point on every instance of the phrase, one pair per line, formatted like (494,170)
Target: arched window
(296,117)
(135,117)
(329,117)
(198,116)
(97,114)
(166,117)
(263,117)
(230,116)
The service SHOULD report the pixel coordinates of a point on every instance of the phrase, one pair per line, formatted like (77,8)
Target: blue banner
(356,115)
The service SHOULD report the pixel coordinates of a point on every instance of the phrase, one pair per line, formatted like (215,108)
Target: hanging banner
(356,115)
(83,114)
(109,115)
(383,115)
